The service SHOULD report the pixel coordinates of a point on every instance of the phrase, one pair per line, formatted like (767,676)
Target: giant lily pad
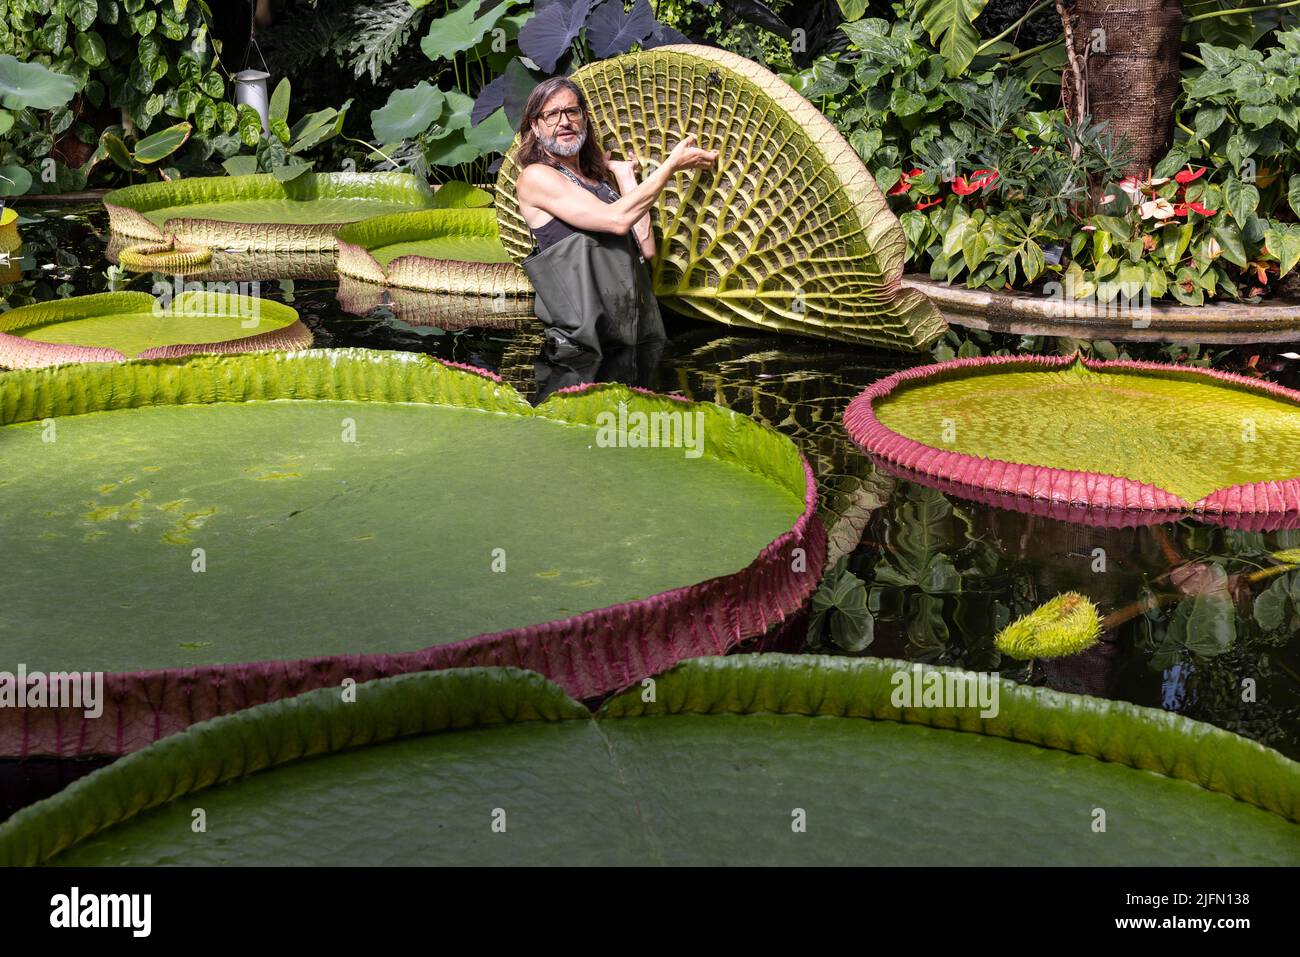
(438,250)
(357,514)
(249,266)
(259,212)
(788,232)
(1136,442)
(113,326)
(752,759)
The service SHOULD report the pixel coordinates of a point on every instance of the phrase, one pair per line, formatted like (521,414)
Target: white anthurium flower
(1214,247)
(1157,209)
(1133,188)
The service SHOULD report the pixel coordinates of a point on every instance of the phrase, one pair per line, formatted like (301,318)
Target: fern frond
(381,30)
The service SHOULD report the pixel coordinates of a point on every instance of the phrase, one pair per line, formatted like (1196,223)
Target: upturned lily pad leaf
(546,37)
(613,30)
(170,257)
(32,85)
(408,113)
(439,250)
(707,772)
(261,212)
(112,326)
(361,513)
(10,239)
(1103,441)
(787,233)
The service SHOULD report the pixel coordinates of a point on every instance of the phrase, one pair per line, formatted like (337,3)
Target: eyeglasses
(552,117)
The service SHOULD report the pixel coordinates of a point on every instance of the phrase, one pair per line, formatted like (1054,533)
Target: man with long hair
(592,240)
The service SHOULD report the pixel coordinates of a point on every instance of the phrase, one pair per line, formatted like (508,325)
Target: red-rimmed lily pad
(221,531)
(1108,442)
(114,326)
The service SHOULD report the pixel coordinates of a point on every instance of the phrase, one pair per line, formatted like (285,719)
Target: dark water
(943,575)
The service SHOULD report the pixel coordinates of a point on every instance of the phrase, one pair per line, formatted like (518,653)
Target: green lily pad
(261,211)
(329,505)
(109,327)
(767,759)
(1124,436)
(438,250)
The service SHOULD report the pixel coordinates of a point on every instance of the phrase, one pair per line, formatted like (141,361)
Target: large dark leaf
(546,37)
(663,35)
(612,30)
(510,89)
(759,14)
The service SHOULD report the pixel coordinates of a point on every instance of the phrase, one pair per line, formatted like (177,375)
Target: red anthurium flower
(1189,175)
(1198,208)
(904,183)
(926,204)
(980,179)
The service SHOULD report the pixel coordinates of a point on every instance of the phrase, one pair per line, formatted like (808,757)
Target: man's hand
(622,169)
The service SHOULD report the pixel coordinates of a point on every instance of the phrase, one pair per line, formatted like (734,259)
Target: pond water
(943,574)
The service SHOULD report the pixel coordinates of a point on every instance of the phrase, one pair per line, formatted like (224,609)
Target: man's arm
(645,235)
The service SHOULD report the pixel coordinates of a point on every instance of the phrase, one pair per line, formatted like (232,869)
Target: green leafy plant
(280,153)
(152,62)
(839,611)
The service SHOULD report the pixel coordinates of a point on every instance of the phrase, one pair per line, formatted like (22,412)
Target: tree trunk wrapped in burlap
(1129,51)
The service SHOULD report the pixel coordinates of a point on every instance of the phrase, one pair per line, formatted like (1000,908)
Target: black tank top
(550,233)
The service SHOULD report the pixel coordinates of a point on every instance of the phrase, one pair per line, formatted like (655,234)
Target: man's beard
(559,147)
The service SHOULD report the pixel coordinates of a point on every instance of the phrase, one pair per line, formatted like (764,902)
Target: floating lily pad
(438,250)
(787,233)
(112,326)
(259,211)
(1128,442)
(364,513)
(753,759)
(248,266)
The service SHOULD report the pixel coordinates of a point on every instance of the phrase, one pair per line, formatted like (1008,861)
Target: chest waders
(593,293)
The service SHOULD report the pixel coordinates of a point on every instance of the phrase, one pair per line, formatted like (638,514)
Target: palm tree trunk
(1128,53)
